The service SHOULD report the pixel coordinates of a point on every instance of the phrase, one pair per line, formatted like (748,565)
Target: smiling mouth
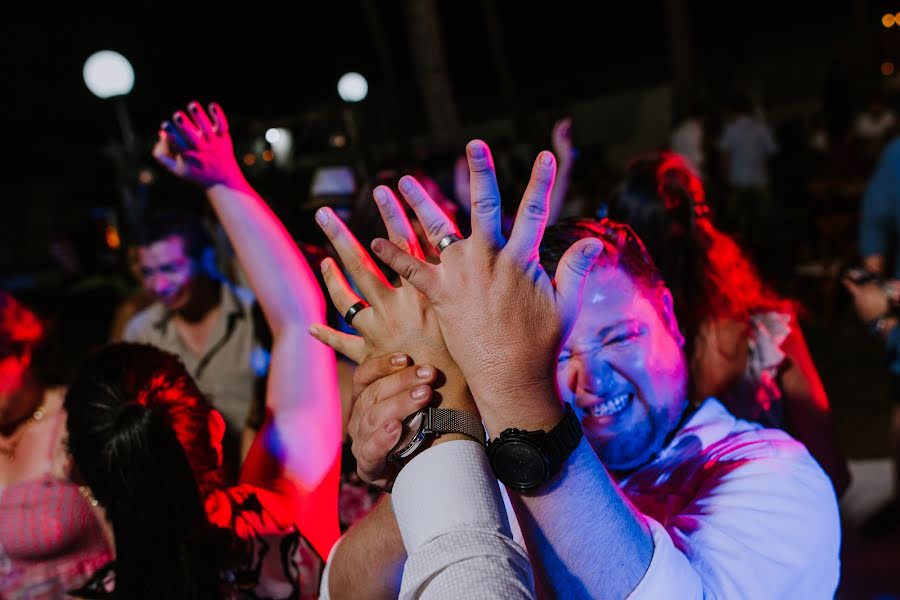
(610,407)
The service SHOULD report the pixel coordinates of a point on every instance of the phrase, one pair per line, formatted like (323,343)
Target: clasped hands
(479,332)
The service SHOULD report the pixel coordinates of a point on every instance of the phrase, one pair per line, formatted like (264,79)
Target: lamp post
(353,89)
(109,76)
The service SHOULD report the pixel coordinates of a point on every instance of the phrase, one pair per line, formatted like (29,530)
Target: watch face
(411,435)
(519,464)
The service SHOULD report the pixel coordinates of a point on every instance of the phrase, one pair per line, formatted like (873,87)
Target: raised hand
(561,137)
(503,319)
(400,319)
(197,147)
(386,390)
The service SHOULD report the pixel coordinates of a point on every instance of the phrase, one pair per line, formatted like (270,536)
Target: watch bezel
(398,453)
(515,437)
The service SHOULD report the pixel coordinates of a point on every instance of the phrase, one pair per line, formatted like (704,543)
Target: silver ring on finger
(446,241)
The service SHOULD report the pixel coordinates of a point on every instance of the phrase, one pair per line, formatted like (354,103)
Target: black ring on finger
(353,310)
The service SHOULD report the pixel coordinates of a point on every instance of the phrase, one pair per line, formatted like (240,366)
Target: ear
(216,425)
(667,312)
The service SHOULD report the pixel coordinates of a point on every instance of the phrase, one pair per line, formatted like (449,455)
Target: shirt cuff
(448,487)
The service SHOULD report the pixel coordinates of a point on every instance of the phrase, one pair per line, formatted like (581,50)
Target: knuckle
(536,208)
(435,227)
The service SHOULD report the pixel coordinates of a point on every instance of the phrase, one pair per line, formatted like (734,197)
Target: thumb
(572,272)
(163,154)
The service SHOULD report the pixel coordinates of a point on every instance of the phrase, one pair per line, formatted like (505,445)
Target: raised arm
(300,443)
(565,155)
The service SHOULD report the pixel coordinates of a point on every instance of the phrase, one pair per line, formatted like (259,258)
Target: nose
(585,375)
(158,284)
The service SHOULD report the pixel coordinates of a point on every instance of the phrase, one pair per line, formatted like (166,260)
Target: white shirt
(749,143)
(687,140)
(736,511)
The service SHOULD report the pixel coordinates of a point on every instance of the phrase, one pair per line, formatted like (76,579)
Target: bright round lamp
(107,74)
(352,87)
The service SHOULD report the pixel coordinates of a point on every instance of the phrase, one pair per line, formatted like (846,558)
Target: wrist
(236,183)
(533,407)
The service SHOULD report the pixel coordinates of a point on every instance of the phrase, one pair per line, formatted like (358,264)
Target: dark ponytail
(709,275)
(131,410)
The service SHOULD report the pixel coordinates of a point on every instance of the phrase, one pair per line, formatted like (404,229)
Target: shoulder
(140,324)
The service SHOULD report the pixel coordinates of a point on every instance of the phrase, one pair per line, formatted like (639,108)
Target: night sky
(265,60)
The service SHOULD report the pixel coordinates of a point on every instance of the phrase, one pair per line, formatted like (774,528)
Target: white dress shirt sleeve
(455,528)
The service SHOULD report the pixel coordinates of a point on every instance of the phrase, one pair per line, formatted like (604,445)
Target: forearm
(280,277)
(613,548)
(369,557)
(303,439)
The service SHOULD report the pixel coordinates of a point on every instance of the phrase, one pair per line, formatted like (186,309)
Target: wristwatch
(432,422)
(524,460)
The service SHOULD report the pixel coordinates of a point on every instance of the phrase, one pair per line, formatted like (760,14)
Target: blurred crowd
(231,407)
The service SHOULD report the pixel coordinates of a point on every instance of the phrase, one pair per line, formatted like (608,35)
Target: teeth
(610,407)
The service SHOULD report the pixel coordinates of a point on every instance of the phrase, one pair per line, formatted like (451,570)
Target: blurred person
(139,299)
(587,413)
(688,139)
(875,126)
(743,341)
(148,443)
(201,318)
(566,154)
(878,233)
(51,539)
(876,303)
(745,147)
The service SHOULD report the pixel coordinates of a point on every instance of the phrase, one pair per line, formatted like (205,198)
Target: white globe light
(107,74)
(273,135)
(352,87)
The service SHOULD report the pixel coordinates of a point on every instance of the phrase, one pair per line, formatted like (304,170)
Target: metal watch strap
(448,420)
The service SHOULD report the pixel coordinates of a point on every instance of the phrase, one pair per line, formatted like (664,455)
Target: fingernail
(420,392)
(322,216)
(178,117)
(193,107)
(476,150)
(424,372)
(380,196)
(392,426)
(546,158)
(398,360)
(313,330)
(592,250)
(377,246)
(405,184)
(324,265)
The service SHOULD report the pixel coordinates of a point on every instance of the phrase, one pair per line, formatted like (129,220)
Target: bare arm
(370,556)
(565,154)
(299,445)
